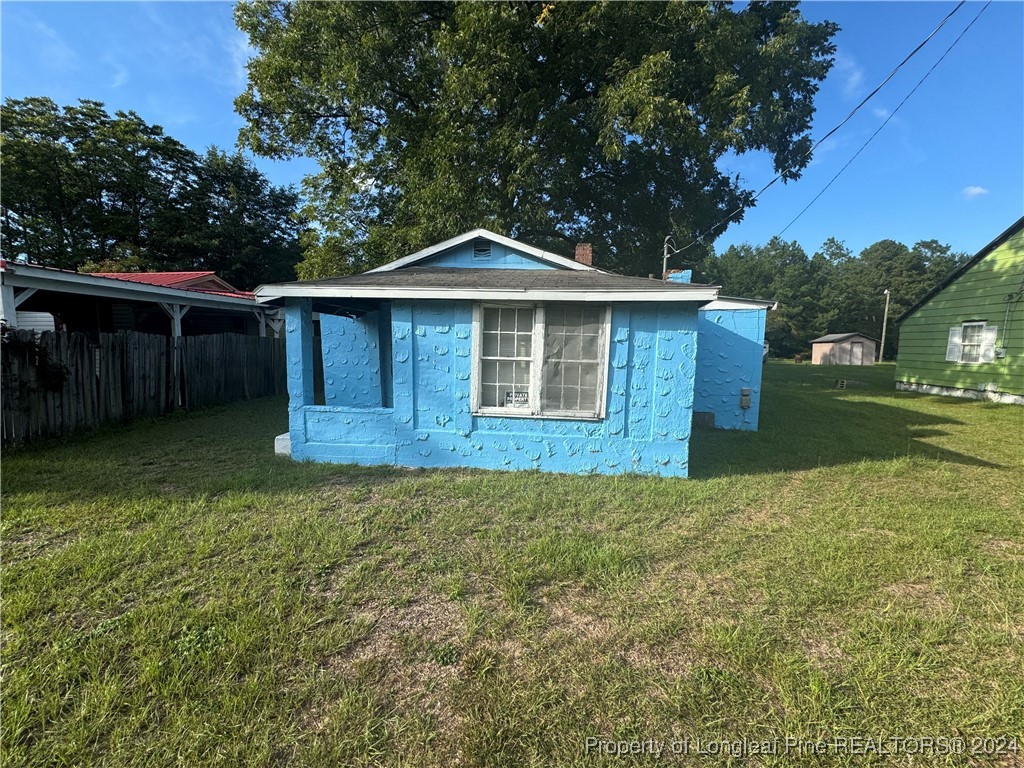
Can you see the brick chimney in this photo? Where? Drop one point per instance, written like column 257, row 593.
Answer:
column 585, row 254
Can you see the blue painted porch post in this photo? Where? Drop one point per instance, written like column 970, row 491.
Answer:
column 299, row 347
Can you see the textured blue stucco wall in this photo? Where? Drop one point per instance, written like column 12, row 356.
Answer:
column 652, row 366
column 729, row 351
column 352, row 362
column 500, row 258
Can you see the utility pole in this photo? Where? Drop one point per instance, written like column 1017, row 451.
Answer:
column 664, row 255
column 885, row 321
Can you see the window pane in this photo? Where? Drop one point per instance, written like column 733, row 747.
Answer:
column 524, row 344
column 489, row 372
column 524, row 320
column 505, row 373
column 508, row 319
column 507, row 345
column 592, row 319
column 491, row 318
column 489, row 396
column 490, row 346
column 572, row 364
column 521, row 376
column 972, row 334
column 588, row 399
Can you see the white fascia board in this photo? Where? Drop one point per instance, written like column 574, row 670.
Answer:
column 271, row 292
column 729, row 302
column 508, row 242
column 43, row 279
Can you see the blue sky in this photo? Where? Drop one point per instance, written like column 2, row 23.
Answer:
column 948, row 166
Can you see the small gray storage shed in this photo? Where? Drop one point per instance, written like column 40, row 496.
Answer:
column 844, row 349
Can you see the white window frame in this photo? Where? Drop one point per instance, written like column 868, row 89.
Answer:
column 986, row 346
column 535, row 411
column 980, row 324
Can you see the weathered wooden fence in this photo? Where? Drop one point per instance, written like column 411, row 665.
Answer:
column 56, row 383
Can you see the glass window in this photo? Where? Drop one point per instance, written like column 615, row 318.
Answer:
column 565, row 341
column 970, row 342
column 572, row 358
column 506, row 357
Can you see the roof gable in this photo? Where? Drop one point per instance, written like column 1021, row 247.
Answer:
column 1015, row 228
column 200, row 281
column 546, row 258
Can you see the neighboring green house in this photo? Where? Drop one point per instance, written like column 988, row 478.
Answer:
column 965, row 337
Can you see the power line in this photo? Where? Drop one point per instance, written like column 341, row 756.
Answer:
column 843, row 122
column 887, row 119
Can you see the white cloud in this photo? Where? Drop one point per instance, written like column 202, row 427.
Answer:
column 54, row 50
column 121, row 73
column 851, row 72
column 236, row 45
column 880, row 112
column 212, row 48
column 973, row 191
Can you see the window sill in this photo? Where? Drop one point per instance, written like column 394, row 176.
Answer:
column 546, row 416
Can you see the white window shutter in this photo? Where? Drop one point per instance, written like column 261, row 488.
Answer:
column 988, row 343
column 953, row 345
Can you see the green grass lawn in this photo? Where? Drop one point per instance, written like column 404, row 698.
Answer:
column 174, row 594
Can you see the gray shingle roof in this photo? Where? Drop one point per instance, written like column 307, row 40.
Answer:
column 516, row 279
column 840, row 337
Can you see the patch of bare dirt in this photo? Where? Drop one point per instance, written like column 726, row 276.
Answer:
column 569, row 613
column 33, row 543
column 1004, row 549
column 917, row 594
column 576, row 614
column 413, row 653
column 823, row 652
column 765, row 515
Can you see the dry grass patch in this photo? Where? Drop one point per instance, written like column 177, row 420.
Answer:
column 1004, row 549
column 917, row 595
column 413, row 652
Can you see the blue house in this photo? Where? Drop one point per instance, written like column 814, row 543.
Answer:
column 481, row 351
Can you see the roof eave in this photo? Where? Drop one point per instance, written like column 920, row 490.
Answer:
column 46, row 279
column 702, row 294
column 952, row 276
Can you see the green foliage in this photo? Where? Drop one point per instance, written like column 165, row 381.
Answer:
column 553, row 122
column 86, row 190
column 833, row 291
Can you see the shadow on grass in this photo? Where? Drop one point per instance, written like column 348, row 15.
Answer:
column 225, row 449
column 807, row 423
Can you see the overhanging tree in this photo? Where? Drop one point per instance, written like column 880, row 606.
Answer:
column 554, row 122
column 83, row 189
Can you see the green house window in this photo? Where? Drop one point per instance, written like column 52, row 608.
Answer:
column 972, row 343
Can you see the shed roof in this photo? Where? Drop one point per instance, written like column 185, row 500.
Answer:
column 156, row 278
column 1016, row 227
column 206, row 281
column 833, row 337
column 496, row 284
column 38, row 277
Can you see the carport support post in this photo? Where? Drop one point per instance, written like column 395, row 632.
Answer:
column 8, row 309
column 9, row 303
column 176, row 312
